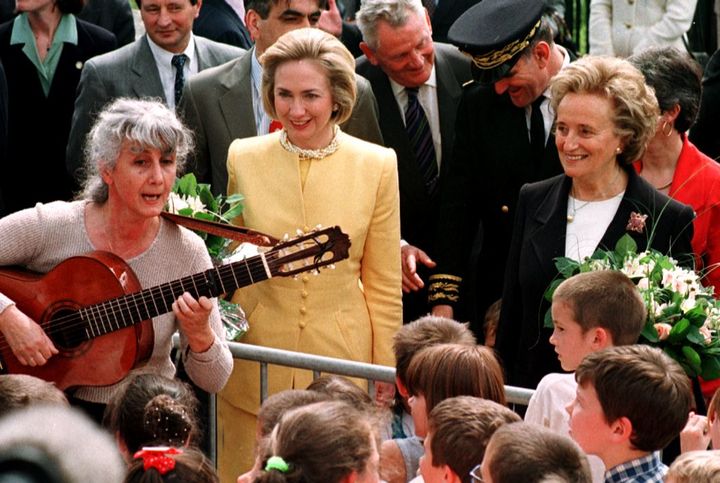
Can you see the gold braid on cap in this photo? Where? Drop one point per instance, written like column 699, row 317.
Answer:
column 495, row 58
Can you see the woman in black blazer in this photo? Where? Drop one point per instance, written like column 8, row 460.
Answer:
column 605, row 117
column 39, row 116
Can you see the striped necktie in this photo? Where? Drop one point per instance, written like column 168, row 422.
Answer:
column 420, row 136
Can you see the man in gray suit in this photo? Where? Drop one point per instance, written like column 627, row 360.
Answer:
column 401, row 60
column 224, row 103
column 144, row 68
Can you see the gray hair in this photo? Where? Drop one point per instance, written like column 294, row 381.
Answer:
column 63, row 438
column 394, row 12
column 147, row 123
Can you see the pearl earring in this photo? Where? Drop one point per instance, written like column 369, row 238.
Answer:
column 618, row 150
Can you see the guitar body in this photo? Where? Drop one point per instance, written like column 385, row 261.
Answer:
column 75, row 283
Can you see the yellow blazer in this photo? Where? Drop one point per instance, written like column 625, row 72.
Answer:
column 351, row 312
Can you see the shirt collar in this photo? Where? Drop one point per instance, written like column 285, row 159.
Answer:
column 648, row 468
column 256, row 71
column 399, row 89
column 66, row 31
column 165, row 57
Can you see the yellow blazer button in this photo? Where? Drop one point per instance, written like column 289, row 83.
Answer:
column 504, row 208
column 302, row 324
column 306, row 229
column 304, row 294
column 305, row 279
column 303, row 310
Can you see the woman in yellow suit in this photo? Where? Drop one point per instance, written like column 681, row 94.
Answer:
column 307, row 174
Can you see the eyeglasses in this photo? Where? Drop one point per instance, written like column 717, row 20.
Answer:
column 476, row 475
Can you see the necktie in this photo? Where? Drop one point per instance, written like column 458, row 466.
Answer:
column 421, row 140
column 537, row 130
column 178, row 61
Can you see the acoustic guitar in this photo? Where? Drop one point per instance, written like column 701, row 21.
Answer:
column 97, row 315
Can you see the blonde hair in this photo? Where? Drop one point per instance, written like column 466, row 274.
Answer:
column 695, row 467
column 635, row 108
column 328, row 52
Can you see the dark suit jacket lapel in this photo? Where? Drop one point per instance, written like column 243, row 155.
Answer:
column 636, row 199
column 550, row 226
column 448, row 94
column 236, row 103
column 146, row 78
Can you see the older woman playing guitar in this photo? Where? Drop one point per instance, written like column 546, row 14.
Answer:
column 134, row 153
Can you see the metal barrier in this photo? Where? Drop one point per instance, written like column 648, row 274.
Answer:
column 319, row 364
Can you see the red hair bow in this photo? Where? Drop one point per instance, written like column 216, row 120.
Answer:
column 157, row 457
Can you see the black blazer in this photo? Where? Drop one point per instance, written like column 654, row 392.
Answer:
column 418, row 210
column 539, row 237
column 113, row 15
column 219, row 22
column 446, row 12
column 38, row 126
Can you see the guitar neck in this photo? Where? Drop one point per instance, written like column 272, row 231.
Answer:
column 121, row 312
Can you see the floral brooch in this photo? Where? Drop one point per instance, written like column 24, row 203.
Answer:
column 636, row 222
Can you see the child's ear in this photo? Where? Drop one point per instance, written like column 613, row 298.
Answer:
column 622, row 430
column 401, row 388
column 601, row 339
column 450, row 476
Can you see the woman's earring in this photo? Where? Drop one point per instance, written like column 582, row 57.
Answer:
column 666, row 129
column 618, row 150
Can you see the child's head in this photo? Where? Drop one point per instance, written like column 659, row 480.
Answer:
column 322, row 442
column 629, row 399
column 458, row 431
column 339, row 388
column 20, row 390
column 714, row 419
column 162, row 463
column 124, row 416
column 695, row 467
column 532, row 454
column 425, row 332
column 492, row 318
column 594, row 310
column 449, row 370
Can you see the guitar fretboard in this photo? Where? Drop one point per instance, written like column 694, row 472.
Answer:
column 127, row 310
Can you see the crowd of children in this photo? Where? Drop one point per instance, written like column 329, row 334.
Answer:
column 607, row 420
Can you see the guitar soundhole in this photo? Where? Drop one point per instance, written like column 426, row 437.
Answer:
column 66, row 329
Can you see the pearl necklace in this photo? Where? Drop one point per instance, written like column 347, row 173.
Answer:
column 310, row 153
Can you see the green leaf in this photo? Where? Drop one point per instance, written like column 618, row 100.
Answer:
column 694, row 336
column 186, row 211
column 567, row 266
column 548, row 321
column 551, row 289
column 625, row 246
column 650, row 333
column 692, row 358
column 234, row 212
column 679, row 331
column 711, row 368
column 187, row 185
column 696, row 315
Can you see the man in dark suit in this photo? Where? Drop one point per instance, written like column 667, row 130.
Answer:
column 400, row 55
column 143, row 68
column 224, row 103
column 514, row 58
column 42, row 68
column 222, row 22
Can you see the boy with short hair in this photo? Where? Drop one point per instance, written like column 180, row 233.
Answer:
column 591, row 311
column 631, row 402
column 459, row 429
column 399, row 457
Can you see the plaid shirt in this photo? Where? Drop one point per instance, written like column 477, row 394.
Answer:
column 648, row 469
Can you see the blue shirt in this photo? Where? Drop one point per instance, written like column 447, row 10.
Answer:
column 648, row 469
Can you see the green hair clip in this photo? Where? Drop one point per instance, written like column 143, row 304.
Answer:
column 277, row 463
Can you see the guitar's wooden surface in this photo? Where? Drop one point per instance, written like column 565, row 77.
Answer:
column 77, row 282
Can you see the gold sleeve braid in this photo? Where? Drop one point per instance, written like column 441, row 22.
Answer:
column 444, row 289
